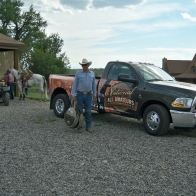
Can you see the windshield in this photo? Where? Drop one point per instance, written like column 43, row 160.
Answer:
column 153, row 73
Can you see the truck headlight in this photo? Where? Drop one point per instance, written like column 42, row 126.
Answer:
column 182, row 102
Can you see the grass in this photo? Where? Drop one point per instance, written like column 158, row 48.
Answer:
column 34, row 93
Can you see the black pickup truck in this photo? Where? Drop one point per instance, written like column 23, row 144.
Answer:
column 138, row 90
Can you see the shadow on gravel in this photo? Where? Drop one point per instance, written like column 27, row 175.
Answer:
column 125, row 122
column 182, row 132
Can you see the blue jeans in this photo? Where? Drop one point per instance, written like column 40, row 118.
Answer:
column 10, row 84
column 84, row 101
column 26, row 90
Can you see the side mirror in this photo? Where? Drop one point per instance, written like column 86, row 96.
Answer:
column 126, row 78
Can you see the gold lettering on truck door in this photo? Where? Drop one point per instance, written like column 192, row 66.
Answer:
column 120, row 97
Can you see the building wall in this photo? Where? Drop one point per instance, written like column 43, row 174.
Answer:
column 6, row 61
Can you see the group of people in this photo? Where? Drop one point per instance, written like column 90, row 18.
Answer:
column 9, row 81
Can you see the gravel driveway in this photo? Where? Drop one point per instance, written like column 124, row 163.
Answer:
column 39, row 156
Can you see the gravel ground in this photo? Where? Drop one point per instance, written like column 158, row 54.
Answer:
column 39, row 156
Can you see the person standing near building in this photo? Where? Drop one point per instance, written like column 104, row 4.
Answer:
column 10, row 83
column 84, row 90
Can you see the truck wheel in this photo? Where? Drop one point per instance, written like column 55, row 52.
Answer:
column 61, row 104
column 101, row 112
column 6, row 98
column 156, row 120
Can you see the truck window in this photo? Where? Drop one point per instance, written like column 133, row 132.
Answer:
column 151, row 73
column 116, row 69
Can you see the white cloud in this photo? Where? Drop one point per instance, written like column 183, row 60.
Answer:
column 53, row 22
column 187, row 16
column 191, row 50
column 148, row 55
column 119, row 32
column 48, row 6
column 99, row 4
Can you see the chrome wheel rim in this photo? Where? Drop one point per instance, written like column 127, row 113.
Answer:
column 59, row 106
column 153, row 120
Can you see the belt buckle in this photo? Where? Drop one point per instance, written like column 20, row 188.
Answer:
column 85, row 93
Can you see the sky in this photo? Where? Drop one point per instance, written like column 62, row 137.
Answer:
column 124, row 30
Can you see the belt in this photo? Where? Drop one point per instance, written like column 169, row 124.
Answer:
column 85, row 93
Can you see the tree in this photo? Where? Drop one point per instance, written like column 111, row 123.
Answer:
column 46, row 58
column 29, row 28
column 9, row 12
column 22, row 26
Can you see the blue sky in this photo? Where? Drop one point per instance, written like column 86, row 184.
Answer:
column 126, row 30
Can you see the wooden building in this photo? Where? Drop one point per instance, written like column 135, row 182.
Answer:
column 182, row 70
column 9, row 56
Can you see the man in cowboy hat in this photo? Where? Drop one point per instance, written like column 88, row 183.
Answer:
column 83, row 90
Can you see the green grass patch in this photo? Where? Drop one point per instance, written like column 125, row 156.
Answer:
column 34, row 93
column 51, row 120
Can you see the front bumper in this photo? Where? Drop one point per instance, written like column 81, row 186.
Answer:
column 183, row 119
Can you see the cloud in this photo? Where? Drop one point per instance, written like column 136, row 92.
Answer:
column 54, row 23
column 77, row 4
column 191, row 50
column 47, row 6
column 84, row 4
column 116, row 4
column 187, row 16
column 104, row 30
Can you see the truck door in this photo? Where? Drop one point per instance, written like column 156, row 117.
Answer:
column 116, row 96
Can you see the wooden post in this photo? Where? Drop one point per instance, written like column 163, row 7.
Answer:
column 16, row 61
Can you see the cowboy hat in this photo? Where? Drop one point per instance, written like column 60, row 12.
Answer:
column 85, row 61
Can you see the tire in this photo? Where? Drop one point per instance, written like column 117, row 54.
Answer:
column 101, row 112
column 156, row 120
column 6, row 98
column 61, row 104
